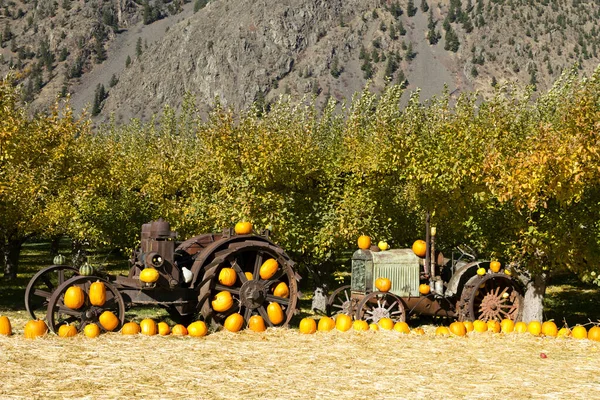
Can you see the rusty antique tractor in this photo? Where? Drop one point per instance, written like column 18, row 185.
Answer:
column 188, row 280
column 454, row 287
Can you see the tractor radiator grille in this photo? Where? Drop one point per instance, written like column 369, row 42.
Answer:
column 404, row 276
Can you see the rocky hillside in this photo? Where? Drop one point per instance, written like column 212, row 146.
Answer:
column 130, row 58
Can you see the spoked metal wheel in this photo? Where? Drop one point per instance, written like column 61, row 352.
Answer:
column 491, row 296
column 251, row 294
column 377, row 305
column 58, row 313
column 341, row 302
column 42, row 285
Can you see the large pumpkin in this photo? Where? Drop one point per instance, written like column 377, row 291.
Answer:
column 419, row 247
column 234, row 322
column 256, row 323
column 383, row 284
column 227, row 277
column 364, row 242
column 74, row 297
column 97, row 293
column 243, row 228
column 108, row 320
column 275, row 313
column 343, row 322
column 149, row 275
column 281, row 290
column 268, row 268
column 67, row 330
column 325, row 324
column 130, row 328
column 5, row 327
column 197, row 329
column 308, row 326
column 35, row 328
column 222, row 301
column 91, row 331
column 148, row 327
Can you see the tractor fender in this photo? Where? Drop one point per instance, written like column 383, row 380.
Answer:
column 462, row 276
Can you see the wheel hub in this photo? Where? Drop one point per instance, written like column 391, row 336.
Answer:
column 490, row 304
column 252, row 294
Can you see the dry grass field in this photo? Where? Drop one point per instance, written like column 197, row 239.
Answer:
column 285, row 364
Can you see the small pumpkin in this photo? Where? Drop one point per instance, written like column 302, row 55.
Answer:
column 197, row 329
column 108, row 320
column 373, row 326
column 67, row 330
column 386, row 323
column 383, row 246
column 594, row 333
column 383, row 284
column 179, row 330
column 521, row 327
column 579, row 332
column 418, row 331
column 86, row 269
column 5, row 327
column 534, row 327
column 130, row 328
column 222, row 301
column 256, row 323
column 401, row 327
column 458, row 328
column 564, row 332
column 507, row 326
column 227, row 277
column 493, row 326
column 495, row 266
column 307, row 326
column 91, row 331
column 59, row 260
column 275, row 313
column 364, row 242
column 74, row 297
column 468, row 326
column 281, row 290
column 419, row 247
column 249, row 275
column 268, row 268
column 325, row 324
column 97, row 293
column 149, row 275
column 424, row 289
column 360, row 325
column 234, row 322
column 481, row 271
column 549, row 328
column 243, row 228
column 35, row 328
column 480, row 326
column 148, row 327
column 442, row 331
column 343, row 322
column 163, row 329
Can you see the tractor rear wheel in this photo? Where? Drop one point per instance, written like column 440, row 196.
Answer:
column 491, row 296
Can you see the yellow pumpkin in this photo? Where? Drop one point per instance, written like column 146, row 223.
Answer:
column 564, row 332
column 480, row 326
column 108, row 320
column 373, row 326
column 256, row 323
column 418, row 331
column 383, row 246
column 383, row 284
column 534, row 327
column 91, row 331
column 281, row 290
column 163, row 329
column 275, row 313
column 507, row 326
column 360, row 325
column 5, row 327
column 419, row 247
column 468, row 326
column 458, row 328
column 579, row 332
column 243, row 228
column 222, row 301
column 594, row 333
column 343, row 322
column 325, row 324
column 481, row 271
column 234, row 322
column 249, row 275
column 268, row 268
column 442, row 331
column 148, row 327
column 197, row 329
column 35, row 328
column 307, row 326
column 386, row 323
column 74, row 297
column 495, row 266
column 521, row 327
column 424, row 289
column 97, row 294
column 130, row 328
column 493, row 326
column 227, row 277
column 67, row 330
column 149, row 275
column 549, row 328
column 401, row 327
column 364, row 242
column 179, row 330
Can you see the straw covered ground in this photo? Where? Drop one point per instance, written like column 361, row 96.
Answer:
column 284, row 364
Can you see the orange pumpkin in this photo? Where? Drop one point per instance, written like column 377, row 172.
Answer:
column 364, row 242
column 5, row 327
column 74, row 297
column 360, row 325
column 386, row 323
column 97, row 294
column 458, row 328
column 419, row 247
column 383, row 284
column 442, row 331
column 222, row 301
column 35, row 328
column 307, row 326
column 594, row 333
column 148, row 327
column 197, row 329
column 163, row 328
column 480, row 326
column 418, row 331
column 108, row 320
column 67, row 330
column 249, row 275
column 343, row 322
column 549, row 328
column 325, row 324
column 91, row 331
column 275, row 313
column 227, row 277
column 424, row 289
column 130, row 328
column 149, row 275
column 495, row 266
column 493, row 326
column 579, row 332
column 507, row 326
column 268, row 268
column 256, row 323
column 401, row 327
column 281, row 290
column 179, row 330
column 234, row 322
column 468, row 326
column 534, row 327
column 243, row 228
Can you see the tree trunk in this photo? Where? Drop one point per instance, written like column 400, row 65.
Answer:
column 55, row 245
column 12, row 252
column 533, row 307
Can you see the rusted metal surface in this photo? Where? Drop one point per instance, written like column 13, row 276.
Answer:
column 376, row 305
column 42, row 285
column 341, row 301
column 491, row 296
